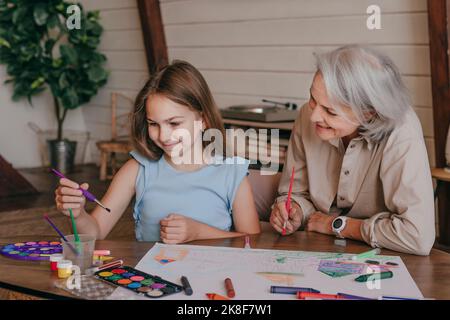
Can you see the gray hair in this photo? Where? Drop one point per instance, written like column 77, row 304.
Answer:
column 369, row 83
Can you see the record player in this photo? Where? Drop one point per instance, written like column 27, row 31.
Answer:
column 262, row 112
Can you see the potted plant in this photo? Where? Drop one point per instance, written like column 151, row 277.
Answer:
column 52, row 44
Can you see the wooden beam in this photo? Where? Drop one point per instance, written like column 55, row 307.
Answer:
column 438, row 15
column 11, row 182
column 153, row 33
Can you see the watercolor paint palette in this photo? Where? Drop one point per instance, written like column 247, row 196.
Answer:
column 138, row 281
column 32, row 250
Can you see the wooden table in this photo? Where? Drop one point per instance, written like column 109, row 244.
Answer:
column 431, row 273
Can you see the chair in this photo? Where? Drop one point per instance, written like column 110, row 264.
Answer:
column 119, row 143
column 264, row 189
column 441, row 175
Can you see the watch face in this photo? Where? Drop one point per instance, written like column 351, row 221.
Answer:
column 337, row 223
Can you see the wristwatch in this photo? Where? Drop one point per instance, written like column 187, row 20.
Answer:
column 338, row 225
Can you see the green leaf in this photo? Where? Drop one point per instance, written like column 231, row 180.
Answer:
column 61, row 8
column 70, row 99
column 63, row 82
column 37, row 83
column 52, row 22
column 97, row 74
column 49, row 45
column 19, row 14
column 4, row 43
column 69, row 54
column 56, row 63
column 40, row 14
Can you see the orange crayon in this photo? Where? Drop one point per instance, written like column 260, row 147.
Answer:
column 304, row 295
column 229, row 287
column 215, row 296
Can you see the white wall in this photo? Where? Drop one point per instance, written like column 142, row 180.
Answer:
column 18, row 143
column 123, row 45
column 246, row 49
column 249, row 50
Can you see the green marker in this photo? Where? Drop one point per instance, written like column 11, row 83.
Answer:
column 368, row 254
column 375, row 276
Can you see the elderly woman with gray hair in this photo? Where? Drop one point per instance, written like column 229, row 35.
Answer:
column 361, row 166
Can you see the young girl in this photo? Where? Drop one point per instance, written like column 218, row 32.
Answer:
column 176, row 201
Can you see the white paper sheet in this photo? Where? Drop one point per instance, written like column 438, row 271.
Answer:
column 253, row 271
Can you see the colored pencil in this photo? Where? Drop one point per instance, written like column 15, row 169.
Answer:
column 288, row 201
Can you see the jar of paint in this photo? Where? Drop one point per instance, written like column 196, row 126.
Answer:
column 64, row 268
column 54, row 259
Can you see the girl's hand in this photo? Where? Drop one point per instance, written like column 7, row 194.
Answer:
column 279, row 215
column 176, row 228
column 320, row 222
column 68, row 196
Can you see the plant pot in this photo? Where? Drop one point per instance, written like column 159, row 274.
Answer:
column 62, row 155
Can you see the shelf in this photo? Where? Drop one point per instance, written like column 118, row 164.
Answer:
column 256, row 124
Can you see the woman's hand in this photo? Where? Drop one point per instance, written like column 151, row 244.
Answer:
column 176, row 228
column 68, row 196
column 320, row 222
column 279, row 215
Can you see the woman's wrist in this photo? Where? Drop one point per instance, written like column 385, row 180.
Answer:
column 353, row 229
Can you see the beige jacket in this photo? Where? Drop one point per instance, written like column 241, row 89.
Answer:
column 387, row 184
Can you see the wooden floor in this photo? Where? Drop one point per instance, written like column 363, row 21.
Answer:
column 46, row 182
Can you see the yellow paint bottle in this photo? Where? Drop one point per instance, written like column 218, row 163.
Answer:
column 64, row 269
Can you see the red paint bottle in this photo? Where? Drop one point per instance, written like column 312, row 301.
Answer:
column 54, row 258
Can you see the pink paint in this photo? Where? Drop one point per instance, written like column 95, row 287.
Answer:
column 102, row 252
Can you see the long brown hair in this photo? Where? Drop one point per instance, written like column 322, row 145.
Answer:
column 182, row 83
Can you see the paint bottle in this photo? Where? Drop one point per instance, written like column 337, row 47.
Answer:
column 54, row 259
column 64, row 268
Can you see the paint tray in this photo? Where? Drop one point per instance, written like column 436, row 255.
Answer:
column 140, row 282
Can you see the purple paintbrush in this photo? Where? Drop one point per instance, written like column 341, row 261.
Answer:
column 86, row 193
column 60, row 233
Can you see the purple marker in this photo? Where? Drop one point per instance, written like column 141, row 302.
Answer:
column 86, row 193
